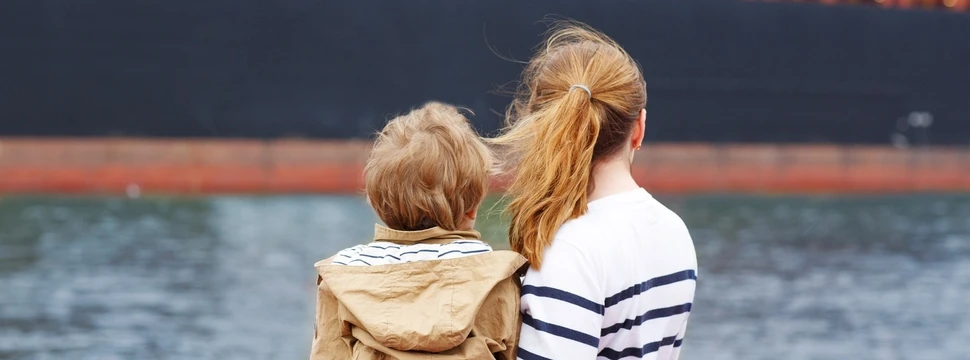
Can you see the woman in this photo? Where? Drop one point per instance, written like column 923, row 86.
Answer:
column 612, row 270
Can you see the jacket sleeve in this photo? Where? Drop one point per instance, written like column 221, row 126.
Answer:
column 328, row 343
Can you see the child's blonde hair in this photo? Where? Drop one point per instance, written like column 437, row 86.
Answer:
column 427, row 168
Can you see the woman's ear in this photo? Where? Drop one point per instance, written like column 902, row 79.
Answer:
column 639, row 129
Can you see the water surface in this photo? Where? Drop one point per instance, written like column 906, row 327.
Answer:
column 231, row 277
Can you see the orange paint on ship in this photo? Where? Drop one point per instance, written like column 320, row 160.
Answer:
column 183, row 166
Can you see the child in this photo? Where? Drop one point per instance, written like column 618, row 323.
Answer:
column 426, row 287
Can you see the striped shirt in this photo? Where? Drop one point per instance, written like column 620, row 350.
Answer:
column 386, row 253
column 617, row 283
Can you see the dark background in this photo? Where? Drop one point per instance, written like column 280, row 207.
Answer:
column 717, row 71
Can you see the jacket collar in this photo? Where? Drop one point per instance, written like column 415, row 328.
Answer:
column 435, row 235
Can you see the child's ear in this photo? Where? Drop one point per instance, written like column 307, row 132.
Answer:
column 472, row 214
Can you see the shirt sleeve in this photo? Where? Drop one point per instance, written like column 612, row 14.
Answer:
column 679, row 342
column 562, row 307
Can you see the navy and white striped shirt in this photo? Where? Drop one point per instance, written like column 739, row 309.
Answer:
column 617, row 283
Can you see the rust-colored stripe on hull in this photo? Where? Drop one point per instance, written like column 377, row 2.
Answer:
column 188, row 166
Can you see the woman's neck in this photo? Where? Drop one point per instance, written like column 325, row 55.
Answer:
column 611, row 177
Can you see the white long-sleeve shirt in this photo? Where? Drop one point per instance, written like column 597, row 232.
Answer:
column 617, row 283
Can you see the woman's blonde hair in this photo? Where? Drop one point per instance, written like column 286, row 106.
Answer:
column 557, row 131
column 427, row 168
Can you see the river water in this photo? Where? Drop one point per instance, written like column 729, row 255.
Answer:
column 781, row 277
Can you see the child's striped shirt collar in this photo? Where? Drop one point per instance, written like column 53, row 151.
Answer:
column 395, row 247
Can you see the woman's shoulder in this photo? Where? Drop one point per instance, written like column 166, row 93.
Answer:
column 604, row 225
column 576, row 230
column 600, row 231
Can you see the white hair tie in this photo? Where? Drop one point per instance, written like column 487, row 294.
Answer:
column 586, row 89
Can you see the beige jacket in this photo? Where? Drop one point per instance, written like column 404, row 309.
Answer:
column 462, row 308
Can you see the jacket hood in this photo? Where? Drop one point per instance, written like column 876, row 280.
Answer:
column 426, row 306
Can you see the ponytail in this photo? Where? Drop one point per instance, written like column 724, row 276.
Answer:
column 563, row 121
